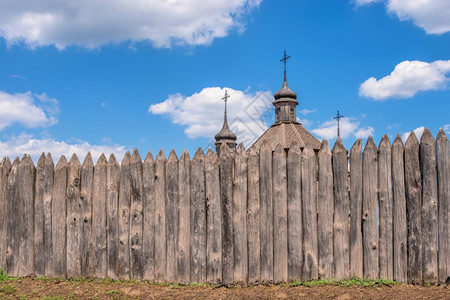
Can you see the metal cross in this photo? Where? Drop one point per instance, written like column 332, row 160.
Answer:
column 284, row 60
column 225, row 98
column 338, row 118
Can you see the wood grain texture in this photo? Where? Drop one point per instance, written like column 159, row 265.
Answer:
column 73, row 218
column 214, row 219
column 59, row 209
column 49, row 171
column 309, row 210
column 87, row 178
column 39, row 249
column 99, row 254
column 294, row 202
column 399, row 222
column 172, row 198
column 386, row 209
column 443, row 169
column 5, row 168
column 239, row 208
column 160, row 217
column 326, row 212
column 226, row 198
column 266, row 212
column 112, row 218
column 253, row 217
column 183, row 270
column 370, row 210
column 198, row 218
column 26, row 180
column 429, row 208
column 12, row 255
column 413, row 209
column 280, row 237
column 124, row 218
column 136, row 208
column 356, row 244
column 148, row 190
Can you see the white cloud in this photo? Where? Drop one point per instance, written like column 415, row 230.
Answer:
column 27, row 144
column 91, row 24
column 447, row 128
column 433, row 16
column 418, row 131
column 30, row 110
column 407, row 79
column 202, row 112
column 347, row 127
column 307, row 111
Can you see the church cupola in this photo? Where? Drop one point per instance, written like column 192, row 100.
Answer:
column 225, row 135
column 285, row 100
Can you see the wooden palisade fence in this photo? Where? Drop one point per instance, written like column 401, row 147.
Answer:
column 247, row 217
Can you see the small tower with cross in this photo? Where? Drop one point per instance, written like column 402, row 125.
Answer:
column 338, row 117
column 285, row 100
column 225, row 135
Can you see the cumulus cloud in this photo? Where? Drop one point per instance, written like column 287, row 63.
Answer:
column 447, row 128
column 27, row 144
column 418, row 131
column 28, row 109
column 407, row 79
column 92, row 24
column 433, row 16
column 202, row 113
column 347, row 127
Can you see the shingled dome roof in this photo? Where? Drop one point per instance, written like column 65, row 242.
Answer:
column 225, row 133
column 285, row 92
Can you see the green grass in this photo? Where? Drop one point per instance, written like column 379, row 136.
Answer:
column 113, row 292
column 7, row 289
column 4, row 277
column 353, row 282
column 53, row 298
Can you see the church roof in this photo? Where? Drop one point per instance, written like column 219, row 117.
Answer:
column 284, row 134
column 285, row 93
column 225, row 133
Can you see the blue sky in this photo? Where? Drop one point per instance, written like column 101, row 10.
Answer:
column 88, row 76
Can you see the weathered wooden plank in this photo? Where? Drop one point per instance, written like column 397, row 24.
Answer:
column 443, row 169
column 124, row 218
column 213, row 218
column 112, row 217
column 148, row 243
column 184, row 219
column 399, row 222
column 326, row 205
column 295, row 231
column 172, row 194
column 266, row 212
column 253, row 213
column 198, row 218
column 136, row 208
column 49, row 171
column 386, row 259
column 280, row 239
column 5, row 168
column 226, row 198
column 26, row 180
column 341, row 209
column 13, row 215
column 429, row 207
column 87, row 178
column 356, row 244
column 99, row 257
column 239, row 209
column 73, row 218
column 370, row 210
column 160, row 217
column 309, row 210
column 59, row 209
column 413, row 209
column 39, row 251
